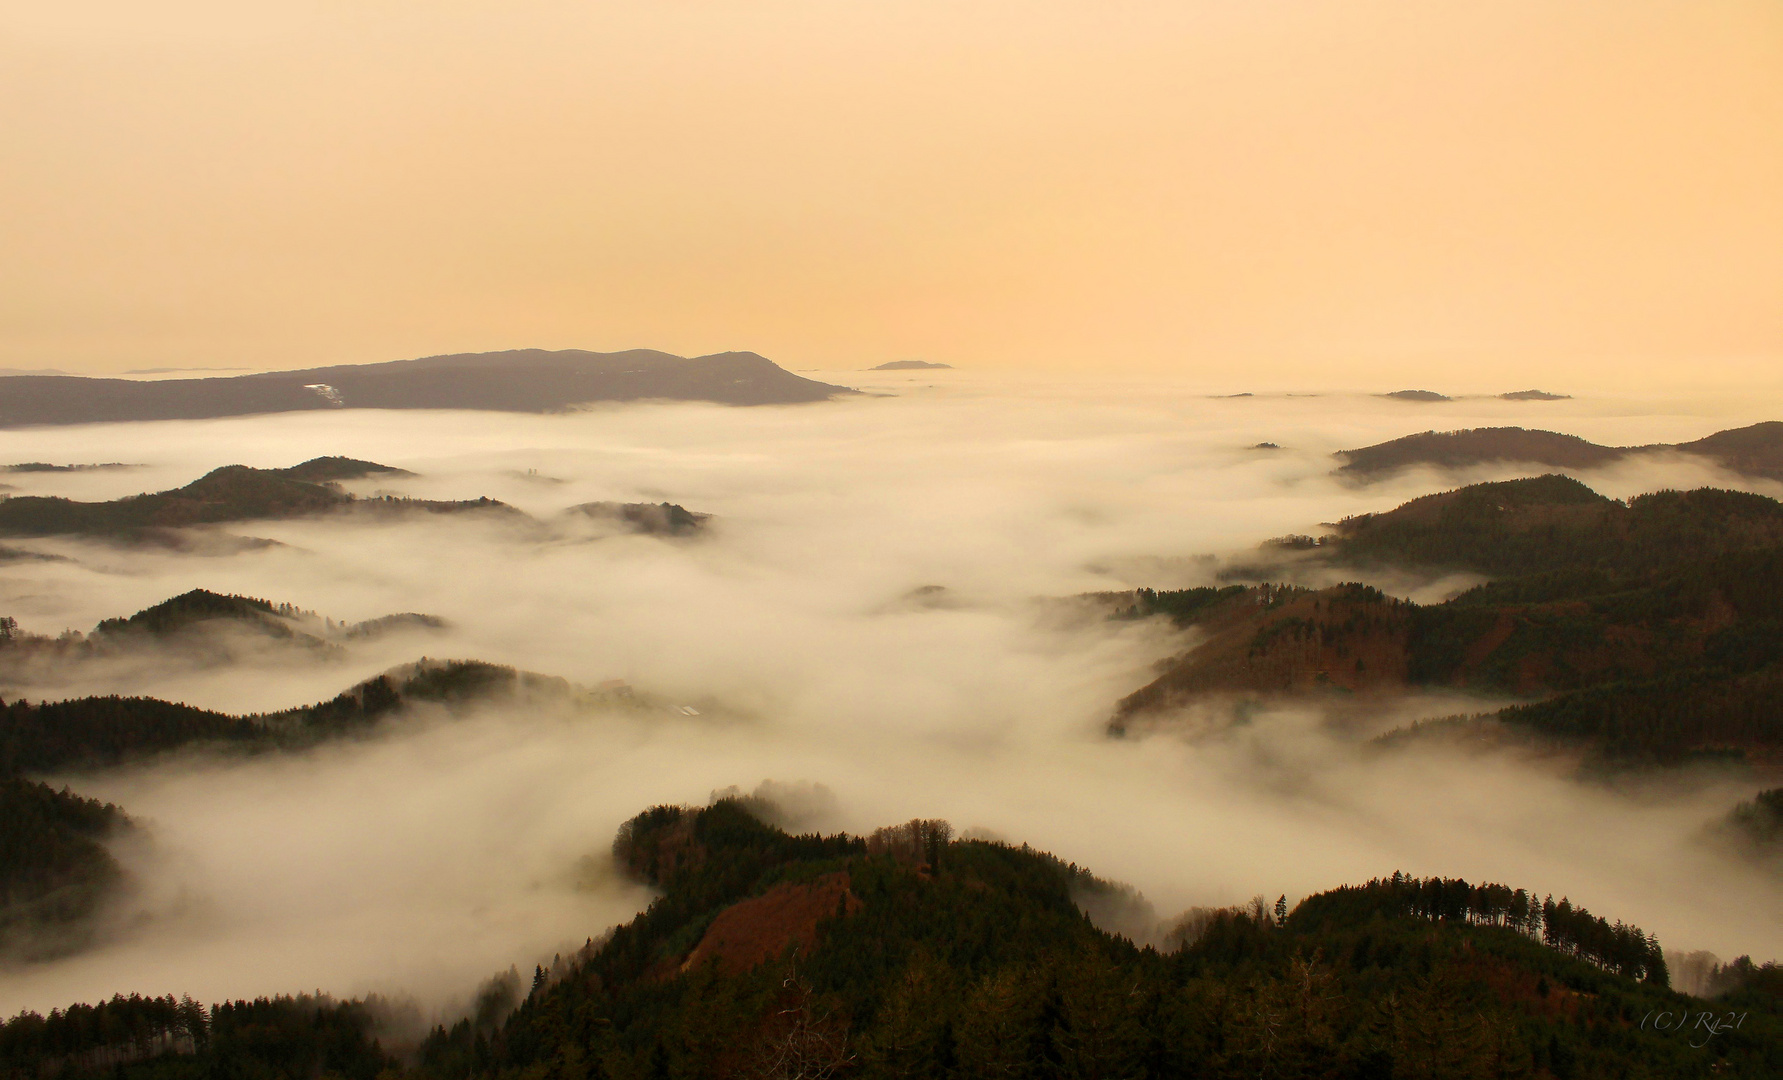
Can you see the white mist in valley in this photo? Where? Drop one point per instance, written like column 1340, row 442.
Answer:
column 807, row 636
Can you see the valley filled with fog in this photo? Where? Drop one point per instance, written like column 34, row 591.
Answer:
column 885, row 616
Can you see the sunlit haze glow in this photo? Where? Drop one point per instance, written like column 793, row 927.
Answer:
column 1288, row 192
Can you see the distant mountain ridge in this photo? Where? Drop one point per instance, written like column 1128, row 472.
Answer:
column 1756, row 450
column 517, row 380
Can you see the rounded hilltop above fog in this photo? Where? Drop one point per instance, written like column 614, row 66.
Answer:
column 909, row 365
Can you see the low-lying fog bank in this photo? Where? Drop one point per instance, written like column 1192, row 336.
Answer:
column 425, row 859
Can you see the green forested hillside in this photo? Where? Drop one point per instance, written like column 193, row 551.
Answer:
column 969, row 959
column 1648, row 632
column 926, row 956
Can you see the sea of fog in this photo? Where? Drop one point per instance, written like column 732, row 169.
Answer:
column 805, row 633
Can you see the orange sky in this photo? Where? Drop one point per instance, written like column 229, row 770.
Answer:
column 1344, row 193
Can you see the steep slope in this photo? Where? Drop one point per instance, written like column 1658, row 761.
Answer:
column 519, row 380
column 971, row 959
column 1646, row 632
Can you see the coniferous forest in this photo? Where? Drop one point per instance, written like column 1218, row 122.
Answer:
column 914, row 954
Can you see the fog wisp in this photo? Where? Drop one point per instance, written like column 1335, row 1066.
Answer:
column 881, row 605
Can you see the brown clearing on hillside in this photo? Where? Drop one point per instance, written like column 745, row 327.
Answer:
column 759, row 929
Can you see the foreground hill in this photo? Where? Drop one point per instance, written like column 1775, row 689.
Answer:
column 519, row 380
column 1752, row 451
column 1646, row 632
column 910, row 954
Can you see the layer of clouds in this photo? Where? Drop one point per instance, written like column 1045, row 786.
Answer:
column 442, row 850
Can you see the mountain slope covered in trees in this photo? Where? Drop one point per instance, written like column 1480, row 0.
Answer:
column 936, row 957
column 1648, row 631
column 228, row 494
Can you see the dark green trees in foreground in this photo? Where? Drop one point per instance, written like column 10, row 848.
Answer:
column 908, row 954
column 980, row 963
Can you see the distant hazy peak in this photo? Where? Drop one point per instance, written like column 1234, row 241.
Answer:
column 516, row 380
column 908, row 365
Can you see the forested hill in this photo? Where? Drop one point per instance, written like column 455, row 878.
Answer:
column 195, row 630
column 1647, row 632
column 1754, row 451
column 194, row 610
column 518, row 380
column 1554, row 524
column 909, row 953
column 102, row 732
column 236, row 493
column 228, row 494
